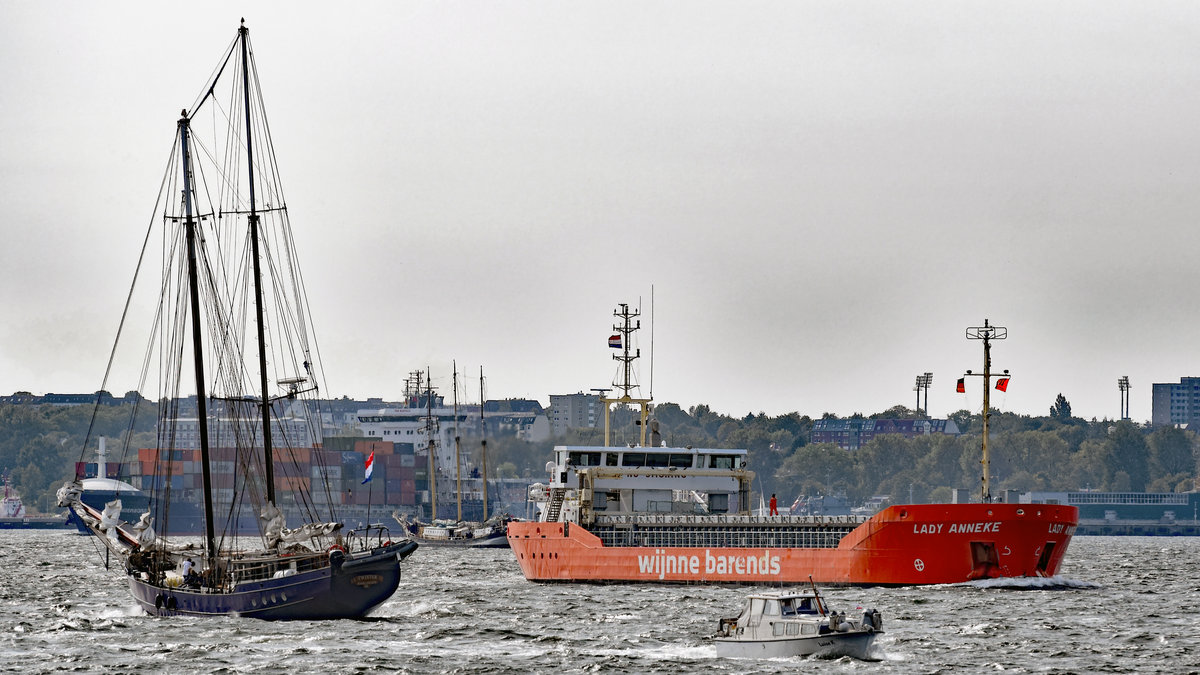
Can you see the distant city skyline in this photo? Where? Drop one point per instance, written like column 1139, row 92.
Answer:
column 823, row 196
column 468, row 402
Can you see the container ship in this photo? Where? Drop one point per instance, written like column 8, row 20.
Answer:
column 649, row 513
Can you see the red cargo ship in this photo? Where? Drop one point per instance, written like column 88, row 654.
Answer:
column 680, row 515
column 656, row 514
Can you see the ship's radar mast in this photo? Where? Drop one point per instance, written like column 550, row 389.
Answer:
column 987, row 333
column 625, row 383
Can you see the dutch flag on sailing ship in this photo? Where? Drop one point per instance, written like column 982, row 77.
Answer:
column 370, row 466
column 614, row 341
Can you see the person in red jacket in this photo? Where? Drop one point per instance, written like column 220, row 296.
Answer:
column 774, row 507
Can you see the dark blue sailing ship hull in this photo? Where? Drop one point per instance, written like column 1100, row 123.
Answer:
column 349, row 590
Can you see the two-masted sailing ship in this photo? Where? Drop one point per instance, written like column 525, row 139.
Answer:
column 231, row 352
column 472, row 527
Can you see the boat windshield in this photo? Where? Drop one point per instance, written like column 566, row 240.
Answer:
column 792, row 606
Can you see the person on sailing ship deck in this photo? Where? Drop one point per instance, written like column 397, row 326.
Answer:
column 190, row 578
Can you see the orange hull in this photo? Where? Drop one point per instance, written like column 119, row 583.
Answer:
column 901, row 545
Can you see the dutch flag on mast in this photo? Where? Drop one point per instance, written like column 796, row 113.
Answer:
column 370, row 466
column 614, row 341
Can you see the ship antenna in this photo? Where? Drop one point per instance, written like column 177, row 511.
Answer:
column 987, row 333
column 651, row 342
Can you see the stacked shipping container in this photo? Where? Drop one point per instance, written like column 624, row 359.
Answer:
column 395, row 479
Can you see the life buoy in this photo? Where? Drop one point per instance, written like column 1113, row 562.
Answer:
column 387, row 543
column 336, row 547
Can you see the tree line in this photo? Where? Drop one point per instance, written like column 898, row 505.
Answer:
column 1057, row 452
column 40, row 444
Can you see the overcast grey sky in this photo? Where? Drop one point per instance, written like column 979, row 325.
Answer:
column 823, row 195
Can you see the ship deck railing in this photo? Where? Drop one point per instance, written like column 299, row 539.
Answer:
column 724, row 519
column 687, row 531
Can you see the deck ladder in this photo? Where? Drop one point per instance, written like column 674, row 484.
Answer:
column 556, row 501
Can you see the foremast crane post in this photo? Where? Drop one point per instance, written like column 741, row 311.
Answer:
column 987, row 333
column 626, row 328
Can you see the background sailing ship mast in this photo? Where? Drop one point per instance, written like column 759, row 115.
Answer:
column 986, row 333
column 483, row 443
column 431, row 430
column 625, row 383
column 457, row 445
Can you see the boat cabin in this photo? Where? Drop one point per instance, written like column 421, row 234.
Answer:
column 778, row 605
column 628, row 480
column 651, row 458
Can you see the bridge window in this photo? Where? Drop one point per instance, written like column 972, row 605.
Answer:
column 723, row 461
column 584, row 459
column 682, row 461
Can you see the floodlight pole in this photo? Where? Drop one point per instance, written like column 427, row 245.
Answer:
column 1123, row 385
column 928, row 377
column 923, row 382
column 987, row 333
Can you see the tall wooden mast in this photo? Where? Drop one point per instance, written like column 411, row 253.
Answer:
column 210, row 538
column 457, row 447
column 265, row 412
column 431, row 445
column 483, row 433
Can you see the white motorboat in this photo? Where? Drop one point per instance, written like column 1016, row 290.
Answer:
column 783, row 624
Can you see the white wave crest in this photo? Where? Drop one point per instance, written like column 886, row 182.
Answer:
column 1054, row 583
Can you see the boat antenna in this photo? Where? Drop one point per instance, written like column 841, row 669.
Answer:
column 987, row 333
column 817, row 595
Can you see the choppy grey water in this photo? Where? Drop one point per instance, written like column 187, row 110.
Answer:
column 1121, row 605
